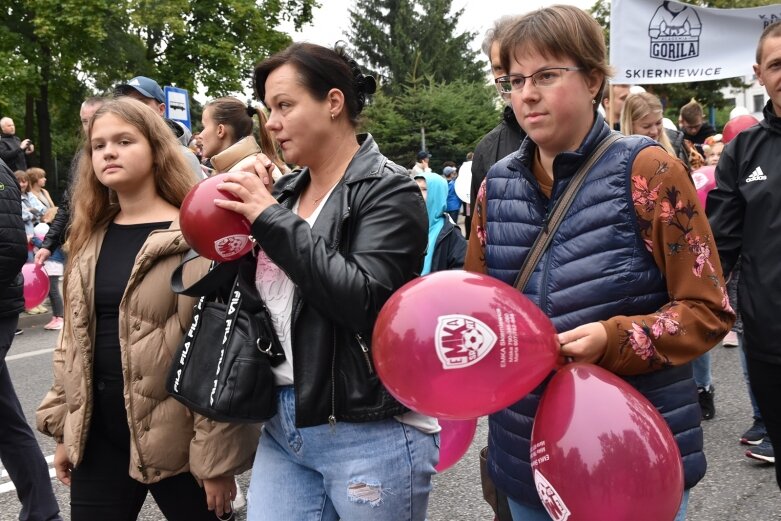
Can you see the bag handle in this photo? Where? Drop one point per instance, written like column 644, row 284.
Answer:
column 218, row 276
column 556, row 216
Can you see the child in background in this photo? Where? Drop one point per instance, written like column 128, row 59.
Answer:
column 54, row 266
column 453, row 202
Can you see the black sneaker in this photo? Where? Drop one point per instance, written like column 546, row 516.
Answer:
column 18, row 331
column 762, row 452
column 706, row 402
column 755, row 434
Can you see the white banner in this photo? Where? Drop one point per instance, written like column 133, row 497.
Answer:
column 657, row 41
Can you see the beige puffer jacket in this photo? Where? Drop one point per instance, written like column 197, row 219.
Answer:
column 166, row 438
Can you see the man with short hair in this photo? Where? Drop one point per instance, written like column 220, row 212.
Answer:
column 691, row 120
column 614, row 103
column 744, row 210
column 505, row 138
column 12, row 149
column 421, row 165
column 55, row 237
column 147, row 91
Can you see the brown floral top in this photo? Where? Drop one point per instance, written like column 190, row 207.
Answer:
column 677, row 234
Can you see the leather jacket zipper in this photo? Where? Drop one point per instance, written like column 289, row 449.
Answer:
column 365, row 350
column 332, row 417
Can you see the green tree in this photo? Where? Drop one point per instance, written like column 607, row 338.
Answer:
column 57, row 51
column 398, row 39
column 454, row 116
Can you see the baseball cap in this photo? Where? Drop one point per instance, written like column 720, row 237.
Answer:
column 448, row 170
column 147, row 87
column 423, row 155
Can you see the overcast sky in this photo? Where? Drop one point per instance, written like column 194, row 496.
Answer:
column 329, row 23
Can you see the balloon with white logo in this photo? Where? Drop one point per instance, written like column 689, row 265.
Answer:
column 459, row 345
column 601, row 450
column 704, row 181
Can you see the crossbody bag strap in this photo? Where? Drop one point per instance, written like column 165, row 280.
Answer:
column 559, row 211
column 218, row 276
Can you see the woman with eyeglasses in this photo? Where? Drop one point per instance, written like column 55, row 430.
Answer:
column 631, row 278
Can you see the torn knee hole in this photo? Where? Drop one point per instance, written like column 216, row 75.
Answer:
column 365, row 493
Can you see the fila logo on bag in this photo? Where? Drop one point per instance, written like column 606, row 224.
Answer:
column 230, row 245
column 462, row 341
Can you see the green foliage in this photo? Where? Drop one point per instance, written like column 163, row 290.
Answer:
column 455, row 117
column 57, row 52
column 403, row 39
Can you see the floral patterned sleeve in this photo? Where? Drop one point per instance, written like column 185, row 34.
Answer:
column 475, row 250
column 676, row 232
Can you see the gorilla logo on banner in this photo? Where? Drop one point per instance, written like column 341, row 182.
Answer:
column 675, row 32
column 462, row 341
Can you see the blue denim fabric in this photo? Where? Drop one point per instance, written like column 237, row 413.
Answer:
column 702, row 370
column 378, row 471
column 754, row 406
column 522, row 512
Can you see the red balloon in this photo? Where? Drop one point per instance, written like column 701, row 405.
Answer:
column 454, row 440
column 600, row 450
column 737, row 125
column 36, row 285
column 215, row 233
column 460, row 345
column 704, row 180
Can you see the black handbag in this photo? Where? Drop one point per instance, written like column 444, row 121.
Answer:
column 222, row 369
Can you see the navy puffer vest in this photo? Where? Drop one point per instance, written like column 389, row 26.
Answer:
column 596, row 267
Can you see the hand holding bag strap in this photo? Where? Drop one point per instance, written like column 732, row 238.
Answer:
column 559, row 211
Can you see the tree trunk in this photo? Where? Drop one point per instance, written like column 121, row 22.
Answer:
column 44, row 146
column 29, row 128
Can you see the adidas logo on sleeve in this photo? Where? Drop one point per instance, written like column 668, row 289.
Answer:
column 756, row 175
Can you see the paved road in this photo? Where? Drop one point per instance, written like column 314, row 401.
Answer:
column 735, row 488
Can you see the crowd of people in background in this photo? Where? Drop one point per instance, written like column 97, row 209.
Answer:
column 297, row 170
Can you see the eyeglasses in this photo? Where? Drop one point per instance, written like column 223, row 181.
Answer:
column 543, row 78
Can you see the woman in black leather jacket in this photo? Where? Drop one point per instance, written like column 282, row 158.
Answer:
column 336, row 239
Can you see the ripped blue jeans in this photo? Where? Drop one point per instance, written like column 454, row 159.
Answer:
column 373, row 471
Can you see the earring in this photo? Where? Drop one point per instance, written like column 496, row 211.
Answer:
column 332, row 116
column 593, row 102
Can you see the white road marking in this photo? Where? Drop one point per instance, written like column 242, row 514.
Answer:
column 29, row 354
column 8, row 486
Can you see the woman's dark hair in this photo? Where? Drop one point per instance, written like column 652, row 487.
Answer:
column 321, row 69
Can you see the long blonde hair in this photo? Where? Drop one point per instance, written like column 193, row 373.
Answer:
column 94, row 205
column 636, row 107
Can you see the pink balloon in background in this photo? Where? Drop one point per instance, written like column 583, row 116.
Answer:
column 458, row 345
column 215, row 233
column 454, row 440
column 737, row 125
column 704, row 180
column 600, row 450
column 36, row 285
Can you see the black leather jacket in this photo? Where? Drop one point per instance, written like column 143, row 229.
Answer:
column 13, row 244
column 369, row 240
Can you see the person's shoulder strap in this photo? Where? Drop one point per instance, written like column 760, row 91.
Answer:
column 559, row 211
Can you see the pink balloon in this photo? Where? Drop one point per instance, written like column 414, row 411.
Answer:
column 215, row 233
column 704, row 181
column 454, row 441
column 600, row 450
column 737, row 125
column 36, row 285
column 459, row 345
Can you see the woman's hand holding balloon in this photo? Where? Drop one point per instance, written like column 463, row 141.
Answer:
column 586, row 343
column 253, row 190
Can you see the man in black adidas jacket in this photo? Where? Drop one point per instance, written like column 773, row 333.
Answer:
column 745, row 214
column 19, row 450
